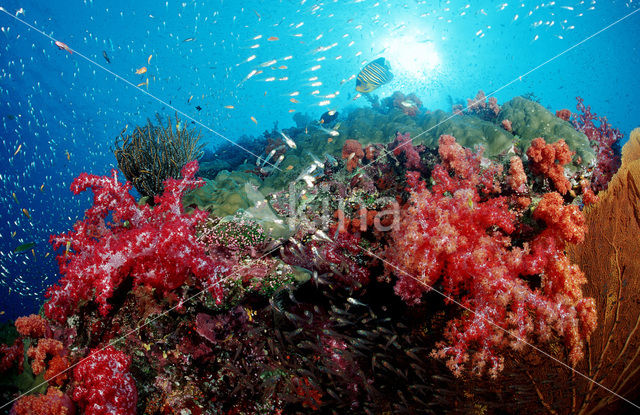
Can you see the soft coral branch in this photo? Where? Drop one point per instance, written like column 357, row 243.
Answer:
column 155, row 246
column 455, row 237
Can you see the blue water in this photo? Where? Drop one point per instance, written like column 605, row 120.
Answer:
column 64, row 110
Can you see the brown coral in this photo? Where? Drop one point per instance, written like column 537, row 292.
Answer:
column 352, row 151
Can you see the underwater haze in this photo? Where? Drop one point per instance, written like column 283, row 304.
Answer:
column 64, row 110
column 76, row 75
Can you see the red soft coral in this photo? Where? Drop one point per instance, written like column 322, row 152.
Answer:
column 104, row 384
column 456, row 238
column 155, row 246
column 12, row 355
column 549, row 160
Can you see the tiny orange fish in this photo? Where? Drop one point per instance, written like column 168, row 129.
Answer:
column 149, row 59
column 282, row 67
column 26, row 213
column 63, row 46
column 292, row 110
column 329, row 140
column 142, row 70
column 68, row 155
column 272, row 38
column 17, row 150
column 230, row 107
column 295, row 101
column 289, row 167
column 254, row 120
column 190, row 98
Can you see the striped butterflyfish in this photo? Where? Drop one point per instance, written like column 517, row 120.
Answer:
column 373, row 75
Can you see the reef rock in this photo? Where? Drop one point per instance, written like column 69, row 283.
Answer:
column 530, row 120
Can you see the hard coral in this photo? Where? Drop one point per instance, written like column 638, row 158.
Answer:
column 104, row 384
column 549, row 160
column 155, row 246
column 453, row 237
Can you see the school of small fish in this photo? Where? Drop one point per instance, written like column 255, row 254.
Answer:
column 242, row 67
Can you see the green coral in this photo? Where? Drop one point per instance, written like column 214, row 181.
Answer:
column 224, row 195
column 530, row 120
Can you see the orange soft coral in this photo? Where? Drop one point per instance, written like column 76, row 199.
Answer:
column 549, row 160
column 33, row 326
column 517, row 178
column 53, row 403
column 39, row 353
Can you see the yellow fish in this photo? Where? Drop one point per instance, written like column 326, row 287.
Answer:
column 17, row 150
column 254, row 120
column 149, row 59
column 289, row 167
column 15, row 197
column 142, row 70
column 26, row 213
column 42, row 188
column 68, row 155
column 373, row 75
column 230, row 107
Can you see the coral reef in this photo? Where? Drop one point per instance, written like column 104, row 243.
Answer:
column 403, row 261
column 530, row 120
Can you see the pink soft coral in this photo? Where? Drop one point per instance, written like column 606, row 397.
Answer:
column 456, row 238
column 411, row 154
column 603, row 138
column 155, row 246
column 104, row 384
